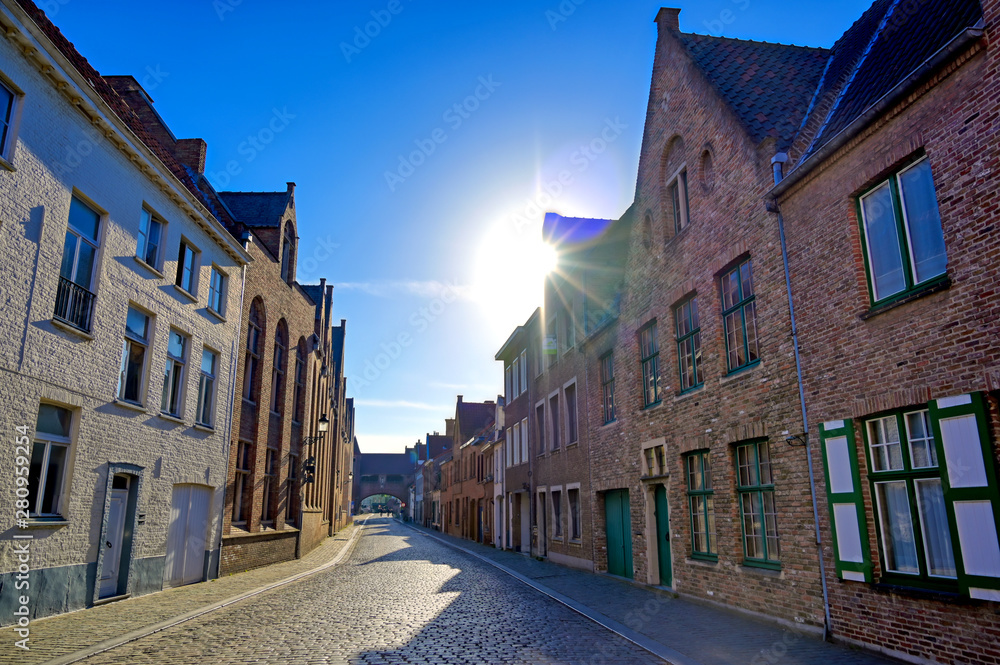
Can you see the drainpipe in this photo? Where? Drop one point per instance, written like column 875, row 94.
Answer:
column 246, row 239
column 777, row 163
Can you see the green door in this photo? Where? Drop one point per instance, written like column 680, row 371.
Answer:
column 663, row 535
column 619, row 527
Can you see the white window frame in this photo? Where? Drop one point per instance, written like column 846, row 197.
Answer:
column 207, row 383
column 524, row 371
column 558, row 533
column 10, row 124
column 576, row 412
column 172, row 365
column 191, row 288
column 129, row 340
column 683, row 201
column 146, row 220
column 524, row 440
column 49, row 440
column 543, row 423
column 217, row 282
column 574, row 487
column 554, row 421
column 515, row 373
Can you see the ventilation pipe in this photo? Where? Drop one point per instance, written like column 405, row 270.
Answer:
column 777, row 166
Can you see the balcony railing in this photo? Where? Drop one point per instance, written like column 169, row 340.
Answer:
column 74, row 304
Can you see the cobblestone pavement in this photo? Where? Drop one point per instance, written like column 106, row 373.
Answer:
column 399, row 598
column 702, row 634
column 64, row 634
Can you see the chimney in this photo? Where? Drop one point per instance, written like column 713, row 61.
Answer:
column 459, row 399
column 669, row 18
column 192, row 153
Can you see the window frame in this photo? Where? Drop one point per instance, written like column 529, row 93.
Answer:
column 572, row 413
column 704, row 497
column 146, row 220
column 176, row 364
column 554, row 413
column 692, row 335
column 48, row 440
column 207, row 382
column 129, row 339
column 217, row 282
column 269, row 487
column 575, row 533
column 739, row 307
column 760, row 489
column 904, row 245
column 678, row 203
column 10, row 122
column 242, row 488
column 649, row 357
column 555, row 500
column 95, row 242
column 607, row 365
column 191, row 288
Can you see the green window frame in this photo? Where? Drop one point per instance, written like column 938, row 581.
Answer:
column 935, row 496
column 901, row 233
column 689, row 345
column 649, row 353
column 608, row 386
column 739, row 317
column 701, row 505
column 846, row 502
column 758, row 510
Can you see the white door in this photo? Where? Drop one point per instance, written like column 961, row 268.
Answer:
column 113, row 543
column 187, row 535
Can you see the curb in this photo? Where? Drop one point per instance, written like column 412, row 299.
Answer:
column 114, row 642
column 660, row 651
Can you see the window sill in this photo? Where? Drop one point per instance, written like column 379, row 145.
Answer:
column 7, row 166
column 46, row 523
column 919, row 592
column 706, row 560
column 576, row 542
column 652, row 407
column 204, row 428
column 939, row 284
column 172, row 418
column 215, row 314
column 763, row 567
column 609, row 423
column 132, row 406
column 73, row 330
column 740, row 373
column 575, row 444
column 556, row 450
column 184, row 292
column 148, row 267
column 689, row 393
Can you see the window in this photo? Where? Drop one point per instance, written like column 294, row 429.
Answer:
column 554, row 421
column 150, row 236
column 187, row 267
column 517, row 443
column 287, row 250
column 270, row 480
column 649, row 351
column 914, row 529
column 540, row 425
column 300, row 383
column 569, row 330
column 292, row 491
column 524, row 440
column 700, row 499
column 739, row 314
column 131, row 376
column 572, row 426
column 515, row 376
column 655, row 459
column 217, row 291
column 574, row 513
column 49, row 459
column 206, row 388
column 509, row 446
column 278, row 369
column 173, row 374
column 904, row 241
column 677, row 199
column 9, row 98
column 608, row 386
column 524, row 371
column 74, row 298
column 251, row 368
column 757, row 508
column 242, row 490
column 689, row 344
column 508, row 384
column 557, row 530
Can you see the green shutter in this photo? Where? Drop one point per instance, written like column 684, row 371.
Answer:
column 846, row 501
column 969, row 479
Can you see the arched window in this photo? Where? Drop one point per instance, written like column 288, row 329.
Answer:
column 288, row 254
column 255, row 342
column 675, row 187
column 300, row 381
column 279, row 367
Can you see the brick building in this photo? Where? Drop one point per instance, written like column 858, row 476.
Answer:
column 117, row 354
column 888, row 199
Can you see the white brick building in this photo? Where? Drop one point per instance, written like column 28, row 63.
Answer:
column 116, row 360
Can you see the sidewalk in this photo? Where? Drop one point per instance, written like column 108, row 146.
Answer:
column 65, row 634
column 696, row 634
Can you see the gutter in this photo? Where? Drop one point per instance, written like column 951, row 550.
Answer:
column 942, row 55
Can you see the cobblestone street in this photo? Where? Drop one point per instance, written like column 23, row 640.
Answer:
column 400, row 598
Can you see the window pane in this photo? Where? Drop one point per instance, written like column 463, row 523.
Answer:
column 53, row 420
column 175, row 347
column 140, row 247
column 771, row 526
column 734, row 340
column 54, row 479
column 133, row 371
column 85, row 265
column 923, row 453
column 69, row 255
column 752, row 525
column 923, row 222
column 883, row 243
column 764, row 461
column 730, row 290
column 137, row 323
column 897, row 528
column 934, row 526
column 6, row 107
column 35, row 474
column 750, row 319
column 84, row 219
column 152, row 243
column 884, row 442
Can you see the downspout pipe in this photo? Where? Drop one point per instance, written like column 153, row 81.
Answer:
column 247, row 239
column 777, row 165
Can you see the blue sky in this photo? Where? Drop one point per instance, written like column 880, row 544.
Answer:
column 423, row 138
